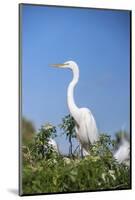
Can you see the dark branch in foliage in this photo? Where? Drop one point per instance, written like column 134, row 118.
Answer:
column 68, row 126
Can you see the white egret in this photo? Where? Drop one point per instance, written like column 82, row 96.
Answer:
column 86, row 129
column 53, row 144
column 122, row 153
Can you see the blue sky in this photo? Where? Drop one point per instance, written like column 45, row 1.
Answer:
column 99, row 41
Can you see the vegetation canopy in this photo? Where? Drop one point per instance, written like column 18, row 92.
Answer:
column 45, row 170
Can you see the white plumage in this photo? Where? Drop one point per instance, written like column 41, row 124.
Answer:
column 53, row 144
column 87, row 132
column 86, row 129
column 122, row 154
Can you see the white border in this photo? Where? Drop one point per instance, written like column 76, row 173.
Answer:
column 9, row 97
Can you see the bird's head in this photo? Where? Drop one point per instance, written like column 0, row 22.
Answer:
column 67, row 64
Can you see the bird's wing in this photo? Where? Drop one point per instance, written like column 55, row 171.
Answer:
column 88, row 129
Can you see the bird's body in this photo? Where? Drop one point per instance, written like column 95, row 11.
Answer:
column 86, row 129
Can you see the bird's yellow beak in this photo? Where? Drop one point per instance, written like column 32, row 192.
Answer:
column 57, row 65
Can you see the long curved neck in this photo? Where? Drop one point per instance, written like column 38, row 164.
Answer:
column 70, row 94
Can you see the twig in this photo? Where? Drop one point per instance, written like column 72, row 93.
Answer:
column 117, row 186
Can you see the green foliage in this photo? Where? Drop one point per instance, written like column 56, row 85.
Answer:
column 28, row 131
column 41, row 148
column 50, row 172
column 68, row 126
column 56, row 175
column 103, row 147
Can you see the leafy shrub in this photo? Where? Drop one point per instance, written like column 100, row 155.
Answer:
column 46, row 171
column 68, row 126
column 28, row 131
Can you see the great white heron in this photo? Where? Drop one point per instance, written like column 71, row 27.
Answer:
column 86, row 129
column 122, row 154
